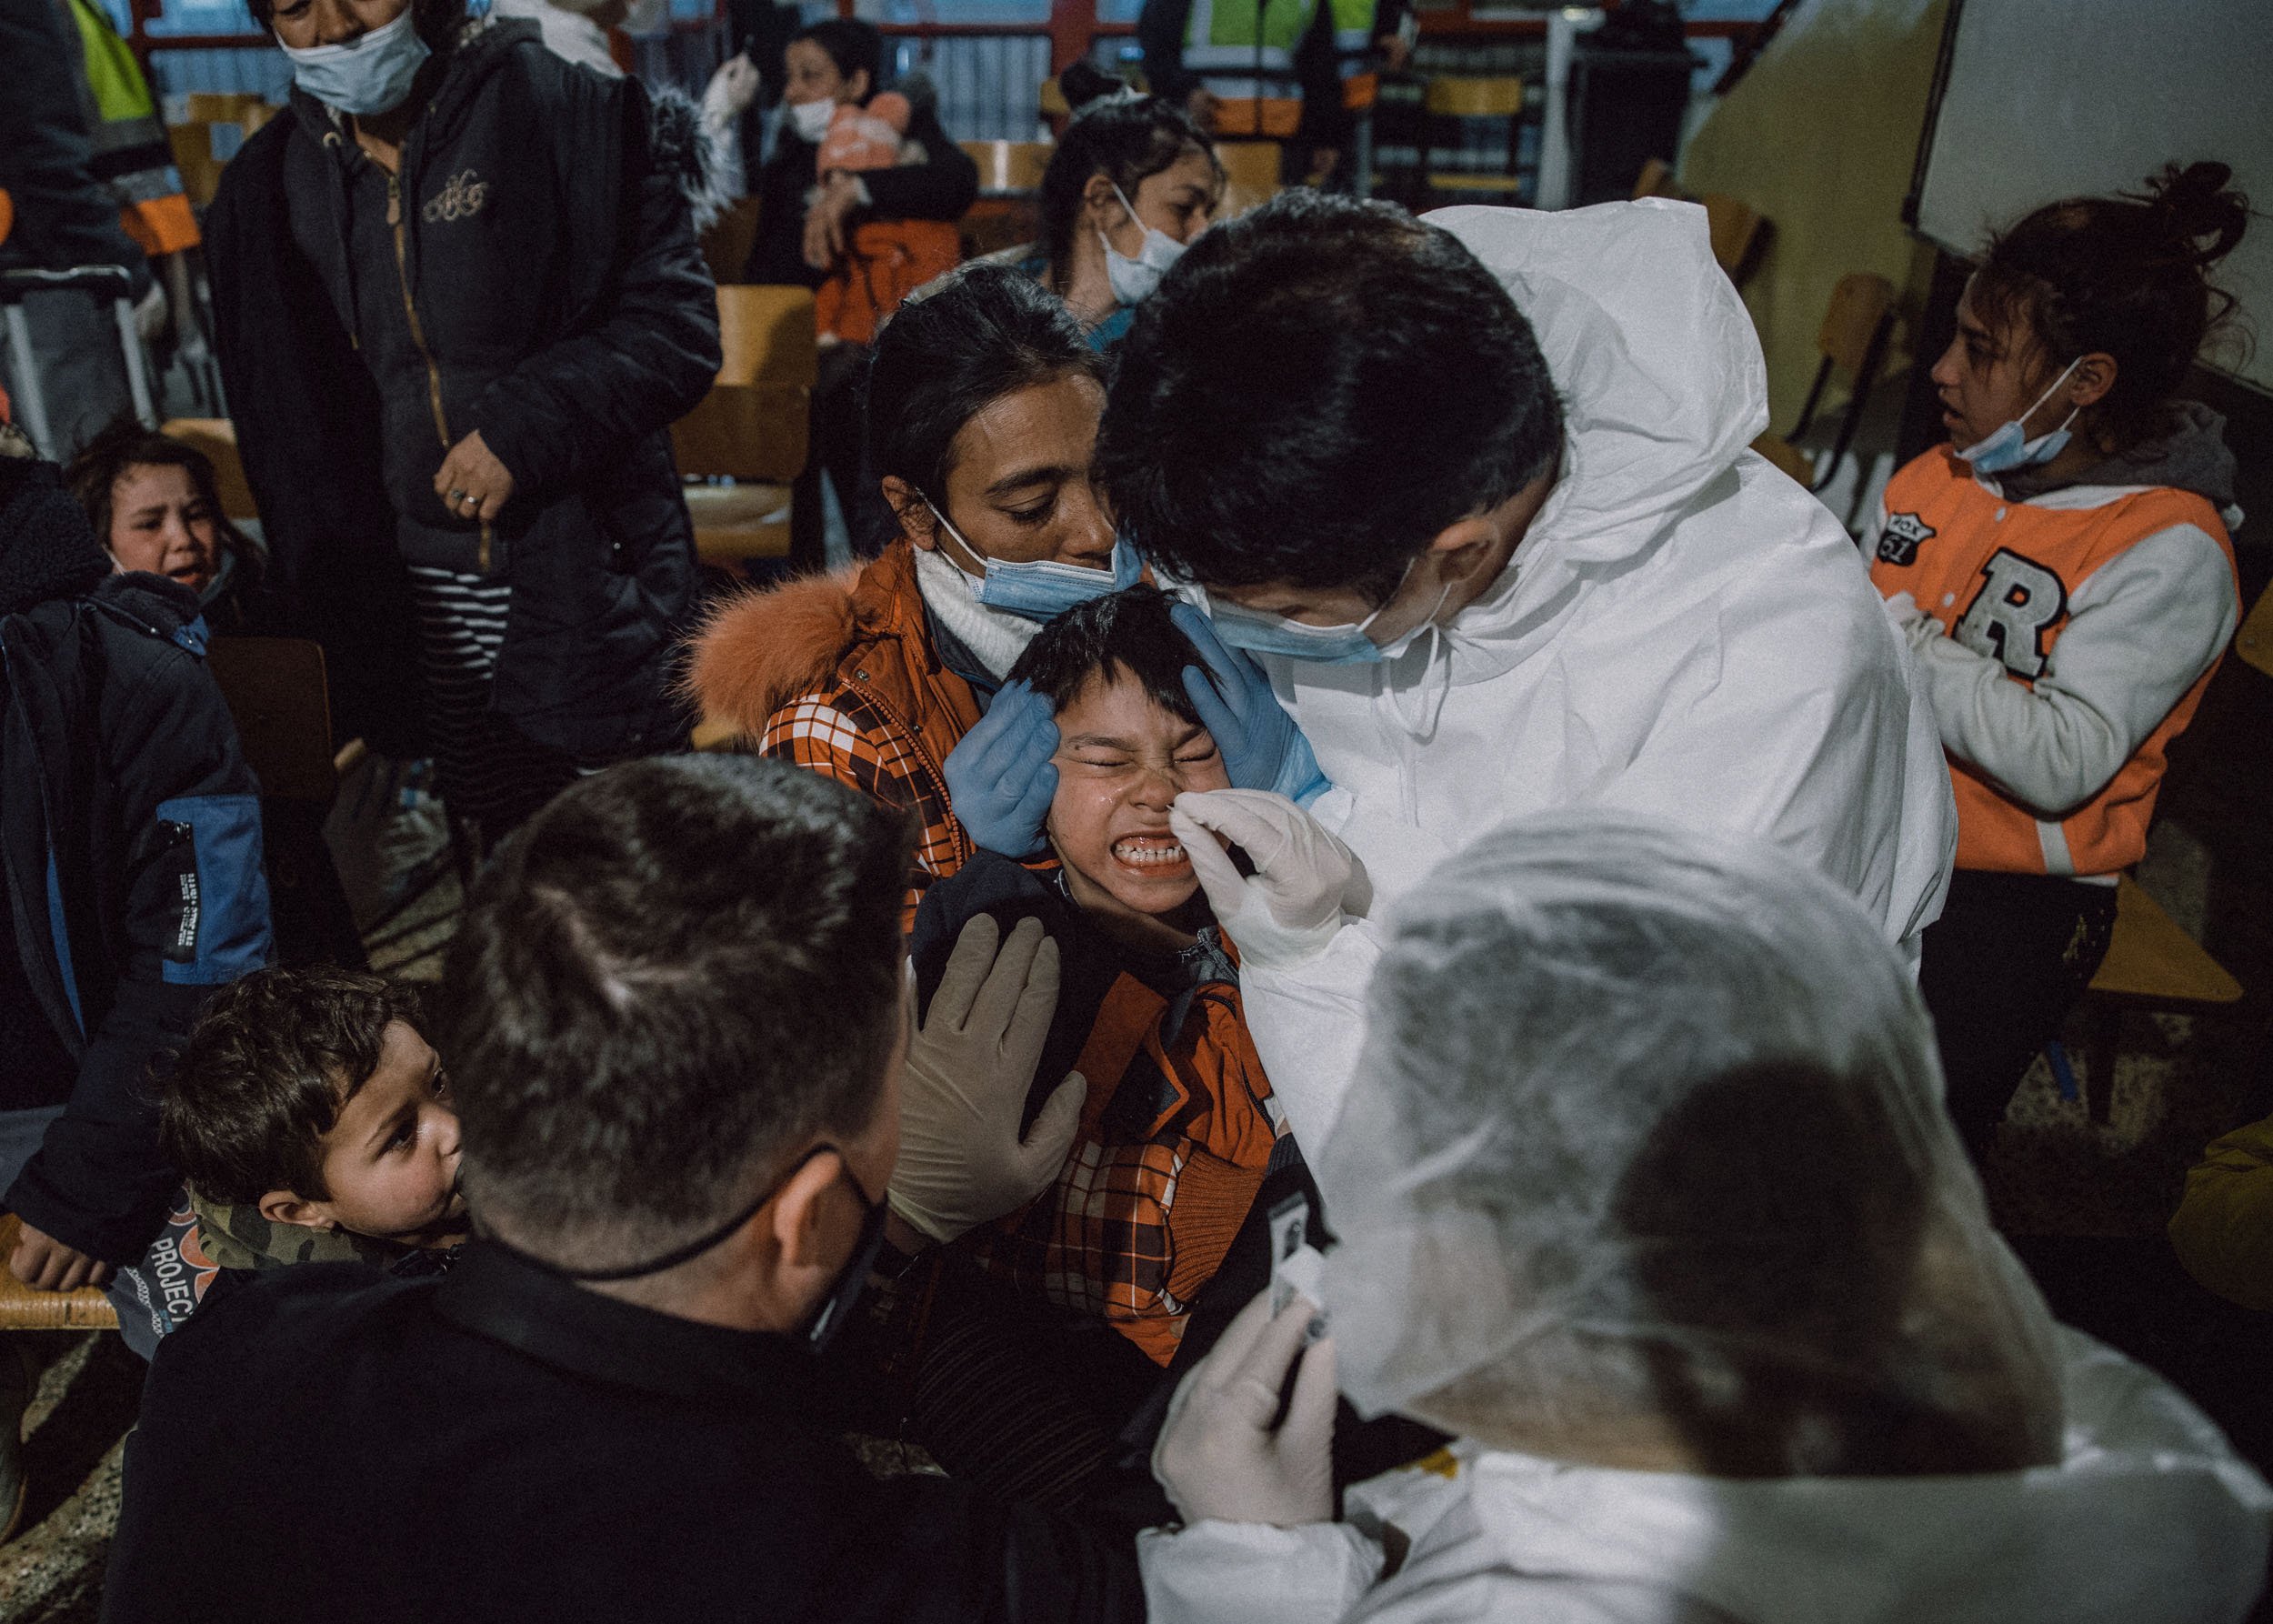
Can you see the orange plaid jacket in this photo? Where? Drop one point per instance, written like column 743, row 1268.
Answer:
column 838, row 673
column 1176, row 1132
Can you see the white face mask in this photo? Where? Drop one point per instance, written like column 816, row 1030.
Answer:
column 369, row 75
column 1134, row 280
column 810, row 119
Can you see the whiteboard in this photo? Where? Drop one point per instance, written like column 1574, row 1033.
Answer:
column 2044, row 99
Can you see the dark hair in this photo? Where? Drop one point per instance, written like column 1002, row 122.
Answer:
column 2124, row 275
column 941, row 360
column 1125, row 631
column 671, row 977
column 436, row 21
column 126, row 443
column 1124, row 139
column 851, row 44
column 264, row 1074
column 1318, row 388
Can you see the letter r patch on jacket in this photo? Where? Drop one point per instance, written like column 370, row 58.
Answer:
column 2019, row 602
column 1898, row 542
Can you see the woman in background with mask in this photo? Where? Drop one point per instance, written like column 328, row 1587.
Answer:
column 459, row 304
column 806, row 218
column 1132, row 182
column 2064, row 572
column 982, row 406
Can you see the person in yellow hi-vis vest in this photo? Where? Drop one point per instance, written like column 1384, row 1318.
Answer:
column 2064, row 572
column 1278, row 69
column 131, row 155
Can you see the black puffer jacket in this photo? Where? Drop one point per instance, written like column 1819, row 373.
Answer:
column 531, row 274
column 126, row 806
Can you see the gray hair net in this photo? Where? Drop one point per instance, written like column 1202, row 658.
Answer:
column 1646, row 1149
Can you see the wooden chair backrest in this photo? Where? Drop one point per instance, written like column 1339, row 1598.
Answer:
column 25, row 1309
column 231, row 106
column 1858, row 305
column 217, row 437
column 2152, row 960
column 276, row 693
column 1458, row 96
column 1009, row 167
column 727, row 244
column 1656, row 180
column 1250, row 175
column 1735, row 226
column 754, row 422
column 2254, row 641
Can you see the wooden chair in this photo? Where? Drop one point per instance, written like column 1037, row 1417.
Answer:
column 727, row 245
column 1656, row 180
column 1005, row 214
column 1461, row 96
column 217, row 437
column 1250, row 171
column 1853, row 337
column 1786, row 456
column 277, row 695
column 1009, row 168
column 2254, row 641
column 752, row 426
column 1736, row 228
column 2151, row 963
column 21, row 1308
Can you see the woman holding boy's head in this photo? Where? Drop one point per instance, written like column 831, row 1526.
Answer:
column 2064, row 572
column 153, row 505
column 983, row 407
column 1129, row 185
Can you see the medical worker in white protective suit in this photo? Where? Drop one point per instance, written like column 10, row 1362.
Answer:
column 1488, row 575
column 1649, row 1199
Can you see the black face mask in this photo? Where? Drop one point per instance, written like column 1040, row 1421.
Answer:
column 836, row 1303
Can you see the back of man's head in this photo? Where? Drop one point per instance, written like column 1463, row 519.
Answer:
column 674, row 977
column 1317, row 390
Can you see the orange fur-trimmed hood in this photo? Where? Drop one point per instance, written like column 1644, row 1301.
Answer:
column 758, row 650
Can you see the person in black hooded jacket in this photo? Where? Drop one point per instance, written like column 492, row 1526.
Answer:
column 457, row 324
column 130, row 865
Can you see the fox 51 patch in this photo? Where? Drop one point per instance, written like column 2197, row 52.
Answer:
column 1898, row 542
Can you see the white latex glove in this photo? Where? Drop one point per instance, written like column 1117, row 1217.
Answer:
column 1916, row 626
column 730, row 92
column 969, row 1066
column 1305, row 881
column 1217, row 1456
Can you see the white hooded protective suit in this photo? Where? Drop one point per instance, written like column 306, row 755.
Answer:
column 2149, row 1518
column 1683, row 630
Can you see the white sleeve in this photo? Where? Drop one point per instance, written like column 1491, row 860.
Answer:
column 1252, row 1573
column 2141, row 630
column 1308, row 1021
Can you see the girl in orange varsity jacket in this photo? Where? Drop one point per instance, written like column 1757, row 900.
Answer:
column 2064, row 572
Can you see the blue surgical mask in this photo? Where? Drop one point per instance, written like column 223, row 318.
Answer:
column 1259, row 632
column 1043, row 589
column 369, row 75
column 2006, row 448
column 1134, row 280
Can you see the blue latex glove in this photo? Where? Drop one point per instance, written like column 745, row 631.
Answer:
column 1000, row 779
column 1262, row 747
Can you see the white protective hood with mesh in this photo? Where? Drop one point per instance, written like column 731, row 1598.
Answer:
column 1646, row 1142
